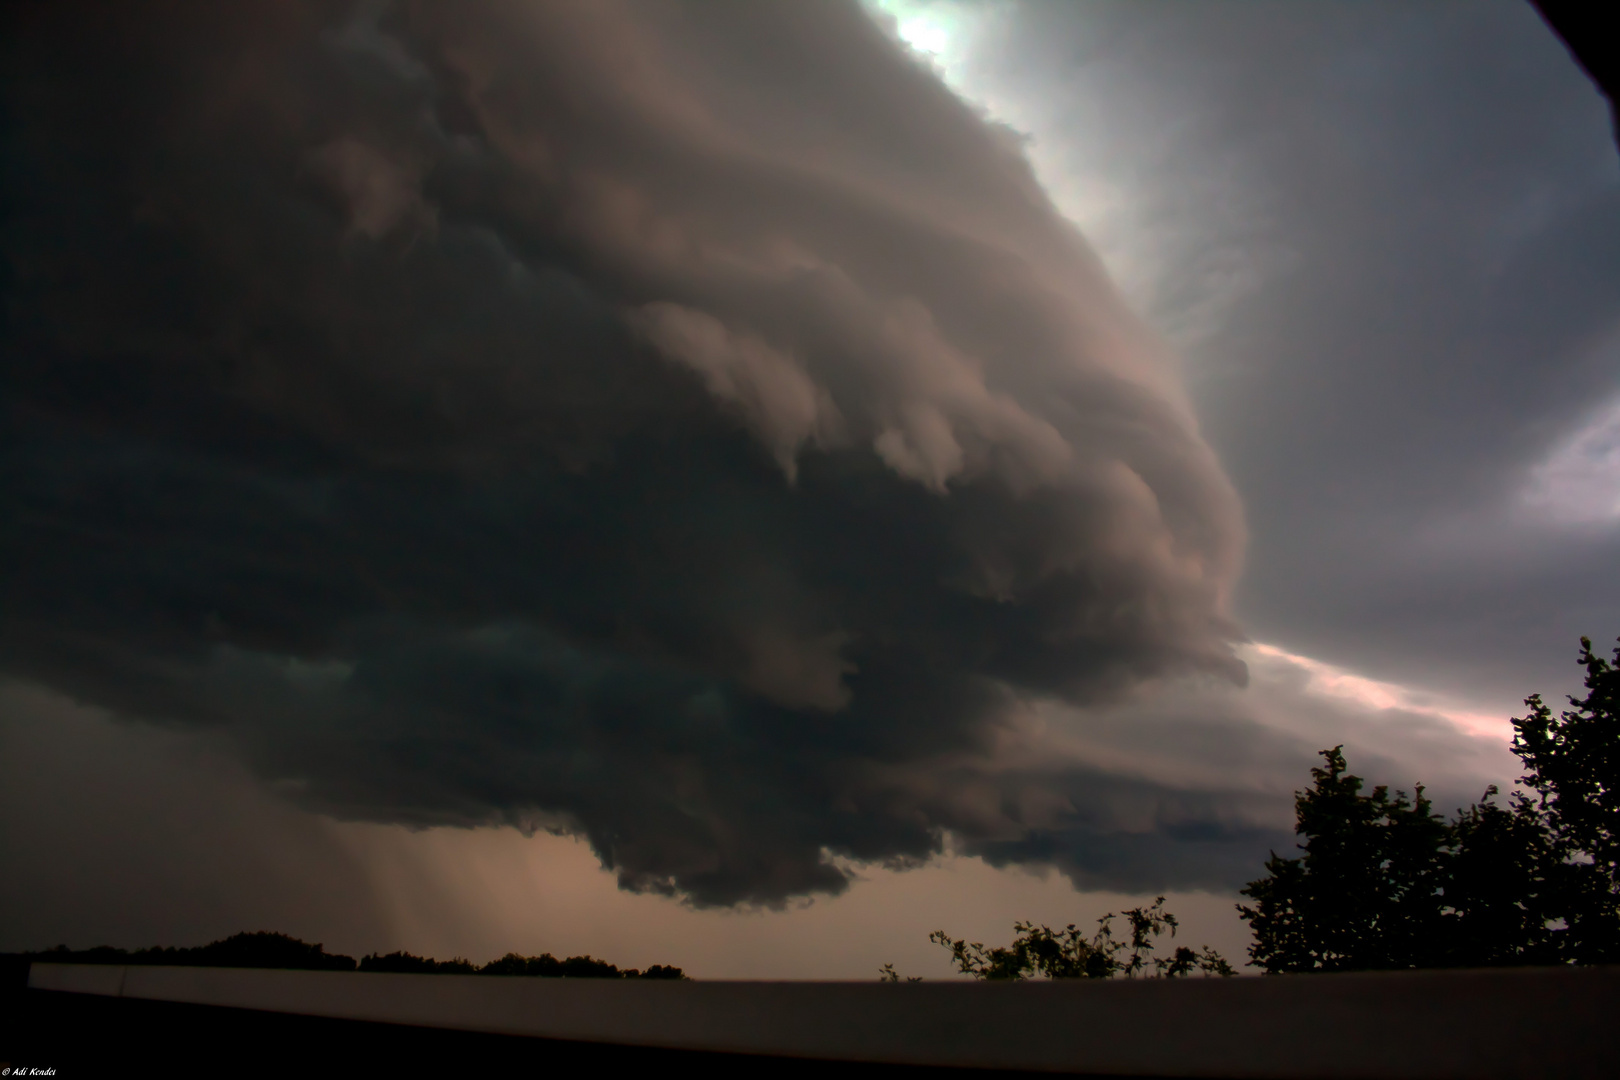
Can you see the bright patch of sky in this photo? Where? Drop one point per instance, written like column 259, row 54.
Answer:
column 947, row 34
column 1579, row 482
column 1182, row 254
column 939, row 29
column 1183, row 269
column 1329, row 681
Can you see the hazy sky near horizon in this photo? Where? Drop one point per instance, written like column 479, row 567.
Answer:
column 720, row 484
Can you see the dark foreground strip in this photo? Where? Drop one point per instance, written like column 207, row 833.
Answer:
column 87, row 1035
column 1419, row 1025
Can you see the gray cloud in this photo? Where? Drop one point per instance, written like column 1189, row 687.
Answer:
column 172, row 841
column 135, row 835
column 1388, row 236
column 689, row 426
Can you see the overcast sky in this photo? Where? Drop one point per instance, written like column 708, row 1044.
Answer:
column 737, row 485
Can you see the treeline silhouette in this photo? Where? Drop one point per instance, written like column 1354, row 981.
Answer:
column 250, row 950
column 1385, row 883
column 264, row 949
column 544, row 966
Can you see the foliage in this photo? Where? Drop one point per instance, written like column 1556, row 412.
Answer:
column 1361, row 896
column 267, row 950
column 544, row 966
column 1385, row 883
column 1572, row 764
column 549, row 967
column 249, row 950
column 408, row 964
column 1070, row 954
column 657, row 971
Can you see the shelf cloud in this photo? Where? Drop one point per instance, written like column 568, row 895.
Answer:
column 686, row 426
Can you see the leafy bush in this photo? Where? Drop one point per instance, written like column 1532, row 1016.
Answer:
column 1070, row 954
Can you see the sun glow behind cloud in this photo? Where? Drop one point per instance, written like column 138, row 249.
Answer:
column 939, row 31
column 1183, row 254
column 948, row 34
column 925, row 35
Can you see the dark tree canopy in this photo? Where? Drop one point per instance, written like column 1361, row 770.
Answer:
column 1572, row 763
column 410, row 964
column 575, row 967
column 1386, row 883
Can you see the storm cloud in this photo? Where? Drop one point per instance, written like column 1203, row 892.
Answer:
column 687, row 426
column 1386, row 239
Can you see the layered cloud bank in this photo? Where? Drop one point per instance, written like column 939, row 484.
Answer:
column 684, row 425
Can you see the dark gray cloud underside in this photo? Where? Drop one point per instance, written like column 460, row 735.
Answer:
column 676, row 450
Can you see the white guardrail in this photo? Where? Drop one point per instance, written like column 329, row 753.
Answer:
column 1495, row 1023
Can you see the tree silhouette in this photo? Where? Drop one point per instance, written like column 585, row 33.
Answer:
column 1070, row 954
column 548, row 966
column 1385, row 883
column 1361, row 897
column 1572, row 763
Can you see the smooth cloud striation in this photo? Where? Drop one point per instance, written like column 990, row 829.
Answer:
column 685, row 425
